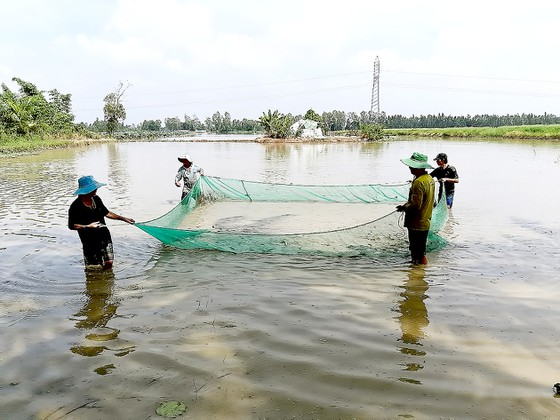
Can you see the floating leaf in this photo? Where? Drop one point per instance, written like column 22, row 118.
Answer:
column 104, row 370
column 171, row 409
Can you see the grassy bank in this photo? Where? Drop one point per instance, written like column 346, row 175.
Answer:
column 12, row 146
column 17, row 145
column 545, row 132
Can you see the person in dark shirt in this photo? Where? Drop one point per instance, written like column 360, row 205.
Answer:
column 447, row 176
column 87, row 215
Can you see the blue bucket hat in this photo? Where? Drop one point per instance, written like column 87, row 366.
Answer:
column 418, row 161
column 87, row 184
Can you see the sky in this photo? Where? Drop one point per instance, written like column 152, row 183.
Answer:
column 245, row 57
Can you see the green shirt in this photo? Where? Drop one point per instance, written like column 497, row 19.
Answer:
column 418, row 208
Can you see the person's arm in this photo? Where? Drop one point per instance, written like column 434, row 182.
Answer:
column 74, row 225
column 416, row 198
column 406, row 206
column 178, row 177
column 93, row 225
column 453, row 178
column 114, row 216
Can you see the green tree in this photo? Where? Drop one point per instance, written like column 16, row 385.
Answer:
column 114, row 109
column 29, row 112
column 59, row 113
column 275, row 124
column 172, row 124
column 227, row 126
column 352, row 121
column 192, row 123
column 151, row 125
column 334, row 121
column 313, row 116
column 98, row 125
column 219, row 124
column 371, row 131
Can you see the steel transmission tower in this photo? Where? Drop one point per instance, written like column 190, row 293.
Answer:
column 375, row 91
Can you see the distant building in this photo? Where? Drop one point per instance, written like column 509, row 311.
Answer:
column 306, row 128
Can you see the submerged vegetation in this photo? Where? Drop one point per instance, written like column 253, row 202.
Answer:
column 31, row 119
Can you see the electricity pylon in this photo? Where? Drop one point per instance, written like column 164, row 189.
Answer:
column 375, row 91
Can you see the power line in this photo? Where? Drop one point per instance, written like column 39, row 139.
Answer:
column 470, row 90
column 248, row 98
column 337, row 88
column 282, row 82
column 505, row 79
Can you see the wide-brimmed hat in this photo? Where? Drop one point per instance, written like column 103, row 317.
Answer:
column 418, row 161
column 87, row 184
column 185, row 156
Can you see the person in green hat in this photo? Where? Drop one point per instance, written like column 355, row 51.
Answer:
column 418, row 209
column 87, row 216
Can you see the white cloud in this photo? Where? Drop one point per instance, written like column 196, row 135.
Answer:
column 244, row 57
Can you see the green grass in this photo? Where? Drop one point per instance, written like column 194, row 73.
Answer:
column 15, row 145
column 545, row 132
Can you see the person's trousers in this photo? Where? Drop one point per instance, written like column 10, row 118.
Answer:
column 417, row 240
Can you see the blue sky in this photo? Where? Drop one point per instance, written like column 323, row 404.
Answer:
column 245, row 57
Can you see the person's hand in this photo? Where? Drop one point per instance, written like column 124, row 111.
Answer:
column 400, row 207
column 129, row 220
column 202, row 172
column 95, row 225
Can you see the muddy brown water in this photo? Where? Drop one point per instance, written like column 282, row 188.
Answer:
column 474, row 334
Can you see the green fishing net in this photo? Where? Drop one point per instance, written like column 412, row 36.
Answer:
column 245, row 216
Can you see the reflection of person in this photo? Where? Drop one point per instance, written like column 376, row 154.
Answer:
column 100, row 306
column 413, row 319
column 418, row 209
column 446, row 175
column 188, row 172
column 414, row 315
column 87, row 216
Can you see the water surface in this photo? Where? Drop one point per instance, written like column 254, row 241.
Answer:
column 474, row 334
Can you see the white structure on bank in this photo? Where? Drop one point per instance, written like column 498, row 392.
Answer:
column 306, row 128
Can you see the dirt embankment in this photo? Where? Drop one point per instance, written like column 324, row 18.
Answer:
column 326, row 139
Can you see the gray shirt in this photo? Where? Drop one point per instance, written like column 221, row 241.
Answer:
column 189, row 176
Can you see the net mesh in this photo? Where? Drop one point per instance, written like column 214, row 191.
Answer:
column 246, row 216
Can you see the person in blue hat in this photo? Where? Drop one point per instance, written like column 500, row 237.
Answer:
column 418, row 209
column 87, row 216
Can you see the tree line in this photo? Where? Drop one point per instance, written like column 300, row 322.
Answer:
column 32, row 111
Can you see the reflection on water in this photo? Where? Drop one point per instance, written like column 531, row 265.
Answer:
column 413, row 319
column 100, row 306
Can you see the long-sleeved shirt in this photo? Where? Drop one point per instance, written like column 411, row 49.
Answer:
column 418, row 208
